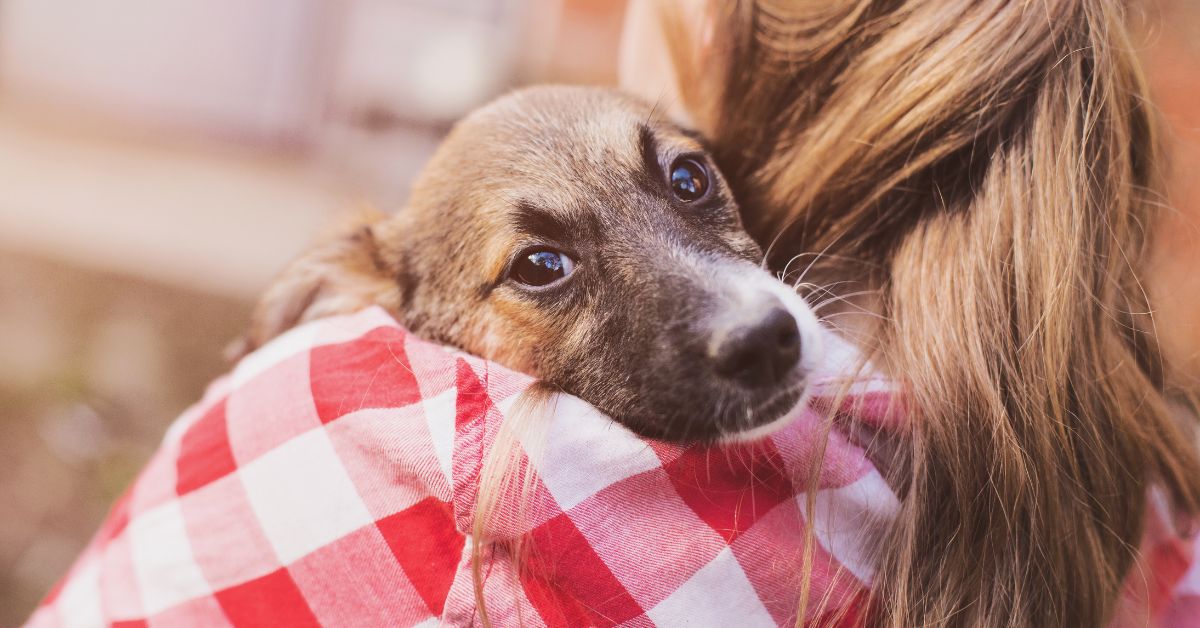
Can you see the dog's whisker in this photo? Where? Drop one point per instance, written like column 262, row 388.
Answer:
column 858, row 312
column 843, row 298
column 820, row 255
column 819, row 288
column 614, row 306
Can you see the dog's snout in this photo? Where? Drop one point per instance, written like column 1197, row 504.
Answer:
column 758, row 353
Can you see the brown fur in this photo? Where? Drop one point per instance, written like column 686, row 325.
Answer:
column 345, row 274
column 659, row 282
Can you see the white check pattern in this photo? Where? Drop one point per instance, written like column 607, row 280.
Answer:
column 331, row 480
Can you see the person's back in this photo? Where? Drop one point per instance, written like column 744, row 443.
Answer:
column 332, row 478
column 984, row 172
column 973, row 189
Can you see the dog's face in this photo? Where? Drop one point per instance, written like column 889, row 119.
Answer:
column 568, row 233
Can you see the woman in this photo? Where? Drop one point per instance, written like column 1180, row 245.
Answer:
column 965, row 186
column 984, row 177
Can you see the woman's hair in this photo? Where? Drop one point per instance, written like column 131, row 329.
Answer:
column 506, row 487
column 986, row 168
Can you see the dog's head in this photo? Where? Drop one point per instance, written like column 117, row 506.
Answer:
column 570, row 234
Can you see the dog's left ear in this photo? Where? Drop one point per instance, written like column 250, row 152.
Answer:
column 343, row 275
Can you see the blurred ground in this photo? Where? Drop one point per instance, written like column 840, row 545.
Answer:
column 94, row 365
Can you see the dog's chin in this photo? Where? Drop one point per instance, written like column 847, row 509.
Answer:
column 769, row 417
column 747, row 421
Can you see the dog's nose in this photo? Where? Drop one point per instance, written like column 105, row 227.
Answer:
column 760, row 353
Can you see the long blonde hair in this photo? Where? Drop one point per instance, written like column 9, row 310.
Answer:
column 986, row 169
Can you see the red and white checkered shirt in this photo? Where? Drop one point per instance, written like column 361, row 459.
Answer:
column 331, row 479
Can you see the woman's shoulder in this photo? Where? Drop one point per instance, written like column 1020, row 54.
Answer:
column 298, row 482
column 348, row 446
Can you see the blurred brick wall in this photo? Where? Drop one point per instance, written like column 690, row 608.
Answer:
column 1170, row 42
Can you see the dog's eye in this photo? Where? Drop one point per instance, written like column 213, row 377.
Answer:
column 689, row 179
column 541, row 267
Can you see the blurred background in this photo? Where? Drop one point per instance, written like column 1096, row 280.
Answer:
column 160, row 160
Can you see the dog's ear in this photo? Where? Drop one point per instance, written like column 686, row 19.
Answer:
column 342, row 275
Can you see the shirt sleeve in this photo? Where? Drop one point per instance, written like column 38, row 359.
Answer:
column 313, row 485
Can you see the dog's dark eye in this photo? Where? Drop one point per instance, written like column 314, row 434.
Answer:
column 689, row 179
column 541, row 267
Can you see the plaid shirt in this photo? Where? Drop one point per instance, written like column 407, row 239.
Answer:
column 331, row 479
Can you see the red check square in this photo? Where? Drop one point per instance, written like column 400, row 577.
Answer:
column 573, row 581
column 369, row 372
column 730, row 488
column 242, row 603
column 204, row 452
column 431, row 563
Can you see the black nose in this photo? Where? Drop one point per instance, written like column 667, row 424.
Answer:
column 761, row 353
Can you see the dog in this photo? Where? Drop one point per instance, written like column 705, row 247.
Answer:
column 568, row 233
